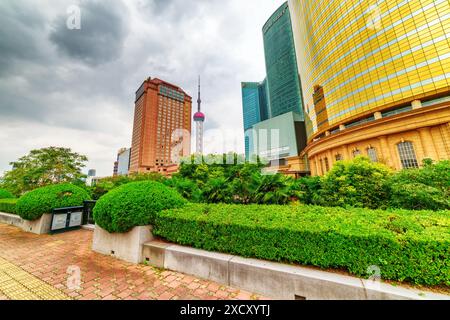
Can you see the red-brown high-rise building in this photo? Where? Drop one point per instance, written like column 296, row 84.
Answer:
column 162, row 127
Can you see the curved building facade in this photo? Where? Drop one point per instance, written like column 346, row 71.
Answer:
column 375, row 79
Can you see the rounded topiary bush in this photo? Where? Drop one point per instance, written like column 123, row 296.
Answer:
column 134, row 204
column 5, row 194
column 34, row 204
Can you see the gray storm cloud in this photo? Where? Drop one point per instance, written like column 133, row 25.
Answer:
column 102, row 34
column 18, row 26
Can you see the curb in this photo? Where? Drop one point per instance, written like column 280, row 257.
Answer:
column 275, row 280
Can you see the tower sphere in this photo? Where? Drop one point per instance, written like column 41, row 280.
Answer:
column 199, row 116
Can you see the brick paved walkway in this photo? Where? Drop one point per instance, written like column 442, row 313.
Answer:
column 51, row 264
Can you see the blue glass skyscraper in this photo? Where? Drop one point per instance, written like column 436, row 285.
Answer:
column 254, row 102
column 255, row 107
column 280, row 93
column 284, row 90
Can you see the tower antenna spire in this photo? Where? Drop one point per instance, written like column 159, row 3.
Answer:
column 199, row 119
column 199, row 100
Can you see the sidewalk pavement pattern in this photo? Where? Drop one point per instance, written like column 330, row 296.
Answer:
column 63, row 266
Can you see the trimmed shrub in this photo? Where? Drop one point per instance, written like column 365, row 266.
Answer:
column 5, row 194
column 406, row 245
column 359, row 183
column 134, row 204
column 34, row 204
column 418, row 196
column 8, row 205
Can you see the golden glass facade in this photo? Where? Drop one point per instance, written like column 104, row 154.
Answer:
column 369, row 56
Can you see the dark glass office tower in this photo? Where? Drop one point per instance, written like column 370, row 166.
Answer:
column 284, row 90
column 276, row 102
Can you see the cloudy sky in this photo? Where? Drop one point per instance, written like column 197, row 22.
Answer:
column 75, row 88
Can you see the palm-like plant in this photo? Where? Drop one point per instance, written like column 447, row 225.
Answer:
column 186, row 187
column 243, row 183
column 273, row 189
column 215, row 190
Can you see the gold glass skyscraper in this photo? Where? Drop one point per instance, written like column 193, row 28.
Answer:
column 362, row 63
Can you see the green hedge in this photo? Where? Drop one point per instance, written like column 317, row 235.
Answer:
column 5, row 194
column 8, row 205
column 134, row 204
column 406, row 245
column 34, row 204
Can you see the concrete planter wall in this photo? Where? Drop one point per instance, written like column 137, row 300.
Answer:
column 39, row 226
column 124, row 246
column 275, row 280
column 11, row 219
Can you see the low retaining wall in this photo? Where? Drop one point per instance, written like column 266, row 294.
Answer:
column 276, row 280
column 39, row 226
column 124, row 246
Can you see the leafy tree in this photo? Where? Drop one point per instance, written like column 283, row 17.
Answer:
column 424, row 188
column 357, row 183
column 105, row 185
column 417, row 196
column 436, row 175
column 231, row 180
column 44, row 167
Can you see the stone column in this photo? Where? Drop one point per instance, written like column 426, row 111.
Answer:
column 429, row 148
column 386, row 151
column 345, row 153
column 419, row 147
column 321, row 166
column 395, row 159
column 316, row 165
column 445, row 137
column 330, row 159
column 312, row 167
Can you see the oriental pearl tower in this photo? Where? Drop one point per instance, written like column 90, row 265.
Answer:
column 199, row 119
